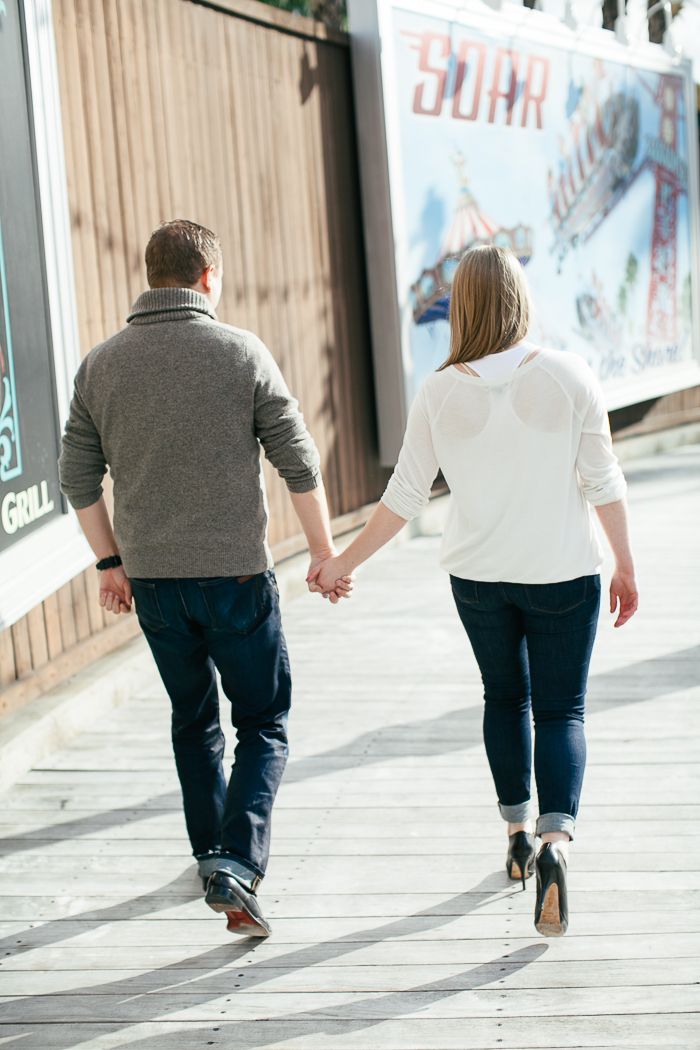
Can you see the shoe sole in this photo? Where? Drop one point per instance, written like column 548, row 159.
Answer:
column 550, row 919
column 240, row 919
column 515, row 873
column 243, row 923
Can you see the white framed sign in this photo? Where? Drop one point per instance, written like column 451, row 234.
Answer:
column 41, row 545
column 578, row 152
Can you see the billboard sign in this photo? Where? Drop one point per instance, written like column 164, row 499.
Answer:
column 29, row 494
column 573, row 150
column 41, row 546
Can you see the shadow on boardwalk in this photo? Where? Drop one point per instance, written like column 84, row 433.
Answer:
column 126, row 1006
column 456, row 730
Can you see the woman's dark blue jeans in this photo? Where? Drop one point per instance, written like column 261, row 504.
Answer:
column 533, row 644
column 193, row 626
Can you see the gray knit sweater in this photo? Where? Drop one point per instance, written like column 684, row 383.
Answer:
column 178, row 405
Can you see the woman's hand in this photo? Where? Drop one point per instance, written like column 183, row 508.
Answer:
column 115, row 590
column 325, row 577
column 334, row 575
column 623, row 589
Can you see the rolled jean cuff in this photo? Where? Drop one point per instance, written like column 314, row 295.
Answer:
column 517, row 814
column 206, row 866
column 556, row 822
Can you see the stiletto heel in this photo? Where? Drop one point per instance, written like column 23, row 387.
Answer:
column 551, row 906
column 521, row 855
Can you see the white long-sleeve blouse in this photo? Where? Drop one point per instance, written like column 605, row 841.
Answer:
column 525, row 454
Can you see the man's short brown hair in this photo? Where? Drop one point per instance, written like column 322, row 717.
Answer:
column 179, row 252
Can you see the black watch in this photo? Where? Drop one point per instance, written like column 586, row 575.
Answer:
column 109, row 563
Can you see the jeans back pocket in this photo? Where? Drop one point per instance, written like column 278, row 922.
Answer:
column 558, row 598
column 147, row 605
column 465, row 591
column 235, row 607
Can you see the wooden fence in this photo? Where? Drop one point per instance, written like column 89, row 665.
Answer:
column 658, row 414
column 238, row 116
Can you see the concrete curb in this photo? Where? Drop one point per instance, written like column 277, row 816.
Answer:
column 43, row 726
column 640, row 445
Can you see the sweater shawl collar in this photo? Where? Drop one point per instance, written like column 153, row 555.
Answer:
column 169, row 304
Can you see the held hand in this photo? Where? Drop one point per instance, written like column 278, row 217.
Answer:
column 115, row 590
column 332, row 586
column 330, row 577
column 623, row 589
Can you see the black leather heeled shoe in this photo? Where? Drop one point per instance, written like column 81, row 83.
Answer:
column 551, row 906
column 521, row 855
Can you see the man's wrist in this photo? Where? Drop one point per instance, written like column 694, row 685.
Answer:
column 112, row 561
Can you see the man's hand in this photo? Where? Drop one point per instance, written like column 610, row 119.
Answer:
column 328, row 578
column 312, row 510
column 340, row 587
column 115, row 590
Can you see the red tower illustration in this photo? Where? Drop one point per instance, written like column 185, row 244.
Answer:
column 604, row 157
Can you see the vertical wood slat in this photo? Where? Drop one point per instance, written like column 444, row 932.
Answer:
column 66, row 617
column 37, row 637
column 104, row 169
column 80, row 188
column 80, row 608
column 52, row 620
column 129, row 255
column 269, row 233
column 23, row 651
column 92, row 588
column 8, row 670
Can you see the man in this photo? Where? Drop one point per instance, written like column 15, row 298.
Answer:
column 178, row 404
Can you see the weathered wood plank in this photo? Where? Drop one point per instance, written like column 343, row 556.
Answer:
column 22, row 647
column 208, row 930
column 184, row 900
column 8, row 670
column 646, row 1030
column 328, row 869
column 37, row 637
column 433, row 1003
column 657, row 973
column 53, row 626
column 227, row 953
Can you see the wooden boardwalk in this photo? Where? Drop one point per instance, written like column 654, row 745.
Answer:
column 394, row 923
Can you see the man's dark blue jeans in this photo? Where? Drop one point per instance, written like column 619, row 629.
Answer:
column 533, row 644
column 193, row 626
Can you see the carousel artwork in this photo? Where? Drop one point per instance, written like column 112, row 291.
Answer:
column 470, row 227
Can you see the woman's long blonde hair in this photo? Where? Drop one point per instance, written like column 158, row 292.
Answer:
column 490, row 307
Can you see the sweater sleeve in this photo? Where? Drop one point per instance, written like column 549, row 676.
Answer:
column 602, row 480
column 82, row 463
column 409, row 486
column 280, row 426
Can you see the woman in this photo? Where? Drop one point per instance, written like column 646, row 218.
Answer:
column 522, row 438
